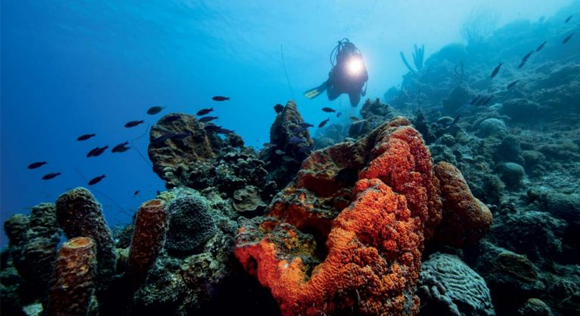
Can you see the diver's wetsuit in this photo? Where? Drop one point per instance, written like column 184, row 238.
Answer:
column 339, row 79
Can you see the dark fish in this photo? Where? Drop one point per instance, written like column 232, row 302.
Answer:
column 480, row 102
column 298, row 130
column 296, row 140
column 338, row 114
column 278, row 108
column 154, row 110
column 306, row 125
column 527, row 56
column 305, row 149
column 206, row 119
column 212, row 128
column 455, row 120
column 487, row 100
column 134, row 123
column 220, row 98
column 568, row 19
column 279, row 152
column 85, row 137
column 181, row 135
column 52, row 175
column 204, row 111
column 346, row 177
column 512, row 84
column 567, row 38
column 121, row 148
column 35, row 165
column 354, row 118
column 541, row 46
column 475, row 99
column 171, row 118
column 224, row 131
column 522, row 63
column 329, row 110
column 97, row 151
column 96, row 180
column 136, row 193
column 162, row 138
column 496, row 70
column 321, row 125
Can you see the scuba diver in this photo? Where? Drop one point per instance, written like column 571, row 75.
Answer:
column 348, row 74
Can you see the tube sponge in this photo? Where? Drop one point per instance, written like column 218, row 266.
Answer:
column 79, row 214
column 148, row 239
column 74, row 285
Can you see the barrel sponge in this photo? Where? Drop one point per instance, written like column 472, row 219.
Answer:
column 465, row 218
column 148, row 238
column 74, row 286
column 79, row 214
column 372, row 264
column 190, row 224
column 449, row 287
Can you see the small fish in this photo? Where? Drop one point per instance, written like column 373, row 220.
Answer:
column 288, row 159
column 35, row 165
column 134, row 123
column 279, row 152
column 278, row 108
column 306, row 125
column 162, row 138
column 154, row 110
column 298, row 130
column 85, row 137
column 206, row 119
column 96, row 180
column 354, row 118
column 97, row 151
column 475, row 99
column 171, row 118
column 204, row 111
column 51, row 175
column 296, row 140
column 121, row 148
column 522, row 63
column 455, row 121
column 527, row 56
column 496, row 70
column 136, row 193
column 512, row 84
column 268, row 145
column 181, row 135
column 567, row 38
column 321, row 125
column 328, row 110
column 225, row 131
column 541, row 46
column 212, row 128
column 338, row 114
column 305, row 149
column 220, row 98
column 480, row 102
column 568, row 19
column 487, row 100
column 346, row 177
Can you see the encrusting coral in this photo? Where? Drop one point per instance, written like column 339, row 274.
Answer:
column 347, row 236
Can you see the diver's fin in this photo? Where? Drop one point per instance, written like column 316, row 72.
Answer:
column 313, row 93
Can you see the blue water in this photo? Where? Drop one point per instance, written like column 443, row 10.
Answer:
column 75, row 67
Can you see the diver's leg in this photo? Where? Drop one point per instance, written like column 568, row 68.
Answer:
column 354, row 98
column 332, row 93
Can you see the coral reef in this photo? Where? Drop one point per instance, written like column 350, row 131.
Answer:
column 290, row 144
column 79, row 215
column 74, row 285
column 449, row 287
column 190, row 224
column 148, row 239
column 350, row 230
